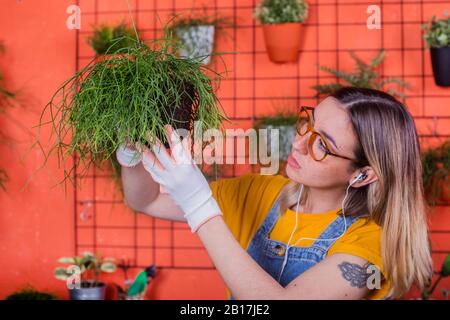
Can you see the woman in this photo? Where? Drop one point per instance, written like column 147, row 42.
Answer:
column 348, row 222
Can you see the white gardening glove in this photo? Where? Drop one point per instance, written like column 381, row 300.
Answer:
column 127, row 155
column 182, row 179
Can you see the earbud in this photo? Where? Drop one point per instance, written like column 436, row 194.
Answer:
column 361, row 177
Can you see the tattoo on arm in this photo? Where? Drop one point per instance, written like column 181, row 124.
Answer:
column 355, row 274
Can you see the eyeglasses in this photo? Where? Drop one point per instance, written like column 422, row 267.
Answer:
column 318, row 146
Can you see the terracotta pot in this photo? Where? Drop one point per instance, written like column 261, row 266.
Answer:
column 282, row 41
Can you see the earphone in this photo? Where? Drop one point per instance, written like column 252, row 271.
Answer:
column 361, row 177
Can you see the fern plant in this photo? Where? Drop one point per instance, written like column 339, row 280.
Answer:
column 363, row 76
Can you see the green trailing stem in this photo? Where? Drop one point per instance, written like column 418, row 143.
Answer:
column 128, row 95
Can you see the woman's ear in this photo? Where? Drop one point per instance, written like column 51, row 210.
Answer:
column 370, row 177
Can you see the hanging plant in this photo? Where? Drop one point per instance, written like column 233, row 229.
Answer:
column 284, row 120
column 282, row 27
column 197, row 33
column 129, row 96
column 364, row 76
column 436, row 174
column 108, row 39
column 437, row 37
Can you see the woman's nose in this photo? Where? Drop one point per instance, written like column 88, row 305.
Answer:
column 300, row 143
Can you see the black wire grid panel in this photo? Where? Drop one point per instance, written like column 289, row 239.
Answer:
column 103, row 224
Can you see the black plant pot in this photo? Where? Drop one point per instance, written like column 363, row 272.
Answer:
column 440, row 60
column 87, row 292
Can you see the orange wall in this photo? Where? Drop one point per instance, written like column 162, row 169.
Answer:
column 39, row 223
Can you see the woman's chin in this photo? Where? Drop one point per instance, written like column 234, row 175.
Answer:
column 292, row 173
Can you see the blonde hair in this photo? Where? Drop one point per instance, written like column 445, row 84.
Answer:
column 388, row 142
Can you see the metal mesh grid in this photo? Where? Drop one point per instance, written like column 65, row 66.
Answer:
column 104, row 224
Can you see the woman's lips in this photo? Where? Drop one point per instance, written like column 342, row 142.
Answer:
column 292, row 162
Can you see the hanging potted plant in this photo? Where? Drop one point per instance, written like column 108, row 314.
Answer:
column 284, row 121
column 107, row 39
column 89, row 267
column 436, row 174
column 437, row 37
column 364, row 76
column 197, row 34
column 282, row 27
column 129, row 96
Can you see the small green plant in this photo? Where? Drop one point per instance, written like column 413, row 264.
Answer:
column 281, row 11
column 195, row 33
column 364, row 76
column 437, row 33
column 179, row 21
column 128, row 96
column 106, row 39
column 283, row 115
column 436, row 172
column 90, row 266
column 445, row 272
column 284, row 121
column 30, row 293
column 278, row 119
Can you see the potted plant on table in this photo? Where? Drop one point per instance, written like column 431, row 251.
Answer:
column 436, row 174
column 437, row 37
column 196, row 34
column 89, row 267
column 365, row 75
column 129, row 96
column 30, row 293
column 282, row 27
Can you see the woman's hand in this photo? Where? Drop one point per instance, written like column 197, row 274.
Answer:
column 181, row 178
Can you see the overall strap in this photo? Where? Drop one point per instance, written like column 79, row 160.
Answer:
column 333, row 231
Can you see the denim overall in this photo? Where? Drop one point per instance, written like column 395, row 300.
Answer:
column 269, row 254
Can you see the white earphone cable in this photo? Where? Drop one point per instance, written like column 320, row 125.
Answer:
column 288, row 246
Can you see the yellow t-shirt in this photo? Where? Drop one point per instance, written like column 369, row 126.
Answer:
column 245, row 202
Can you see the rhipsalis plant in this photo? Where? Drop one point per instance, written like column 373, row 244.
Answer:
column 129, row 96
